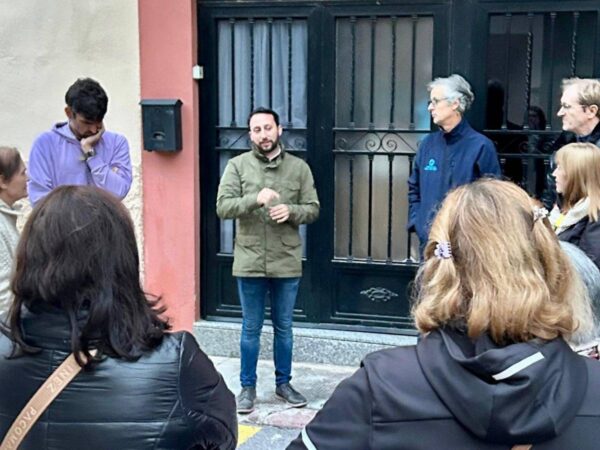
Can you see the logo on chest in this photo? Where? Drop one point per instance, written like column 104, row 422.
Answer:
column 431, row 166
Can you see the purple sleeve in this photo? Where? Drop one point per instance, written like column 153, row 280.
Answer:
column 114, row 176
column 39, row 168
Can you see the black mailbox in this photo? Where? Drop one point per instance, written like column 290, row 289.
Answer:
column 161, row 122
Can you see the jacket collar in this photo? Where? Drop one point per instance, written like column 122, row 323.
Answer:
column 14, row 211
column 458, row 132
column 261, row 157
column 593, row 137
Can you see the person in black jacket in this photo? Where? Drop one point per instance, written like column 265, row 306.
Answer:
column 577, row 175
column 77, row 288
column 492, row 369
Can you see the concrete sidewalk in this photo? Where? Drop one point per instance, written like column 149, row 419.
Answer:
column 273, row 424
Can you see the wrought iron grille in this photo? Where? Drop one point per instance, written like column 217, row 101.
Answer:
column 382, row 67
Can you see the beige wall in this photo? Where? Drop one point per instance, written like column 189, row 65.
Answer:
column 46, row 45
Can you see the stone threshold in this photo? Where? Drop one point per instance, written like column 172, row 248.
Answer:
column 311, row 345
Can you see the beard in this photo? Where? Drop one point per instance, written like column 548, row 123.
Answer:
column 265, row 150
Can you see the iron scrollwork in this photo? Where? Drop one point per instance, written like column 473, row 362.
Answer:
column 378, row 294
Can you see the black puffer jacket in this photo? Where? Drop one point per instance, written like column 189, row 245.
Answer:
column 585, row 234
column 454, row 394
column 171, row 398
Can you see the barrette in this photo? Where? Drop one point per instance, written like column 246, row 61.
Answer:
column 443, row 250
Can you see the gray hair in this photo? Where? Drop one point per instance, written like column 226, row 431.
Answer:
column 585, row 310
column 456, row 88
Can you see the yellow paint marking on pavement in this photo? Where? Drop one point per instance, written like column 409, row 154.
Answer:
column 245, row 432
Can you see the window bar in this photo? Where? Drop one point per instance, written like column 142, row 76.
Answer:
column 411, row 159
column 353, row 70
column 350, row 206
column 506, row 68
column 370, row 232
column 574, row 43
column 502, row 163
column 290, row 54
column 251, row 23
column 528, row 64
column 552, row 26
column 372, row 81
column 390, row 205
column 270, row 68
column 393, row 80
column 232, row 24
column 524, row 175
column 413, row 59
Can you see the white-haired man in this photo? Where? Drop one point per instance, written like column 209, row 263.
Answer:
column 580, row 114
column 450, row 157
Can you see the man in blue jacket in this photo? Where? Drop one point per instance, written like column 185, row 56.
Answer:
column 450, row 157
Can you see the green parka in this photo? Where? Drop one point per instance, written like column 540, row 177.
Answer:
column 263, row 247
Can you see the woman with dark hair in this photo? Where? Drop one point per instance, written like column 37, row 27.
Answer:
column 13, row 187
column 77, row 290
column 492, row 370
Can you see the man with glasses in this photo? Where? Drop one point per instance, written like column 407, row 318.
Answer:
column 450, row 157
column 580, row 114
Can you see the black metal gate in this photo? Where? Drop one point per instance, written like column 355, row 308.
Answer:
column 348, row 79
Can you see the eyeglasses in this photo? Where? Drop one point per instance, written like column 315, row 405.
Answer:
column 567, row 107
column 435, row 101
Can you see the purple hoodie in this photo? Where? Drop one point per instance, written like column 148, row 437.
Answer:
column 56, row 159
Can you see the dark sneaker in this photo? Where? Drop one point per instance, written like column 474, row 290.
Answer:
column 290, row 395
column 245, row 401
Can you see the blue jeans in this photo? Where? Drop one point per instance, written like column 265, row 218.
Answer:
column 252, row 292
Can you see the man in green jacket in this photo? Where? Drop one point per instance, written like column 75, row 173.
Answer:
column 270, row 193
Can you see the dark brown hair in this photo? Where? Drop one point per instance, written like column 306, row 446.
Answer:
column 78, row 253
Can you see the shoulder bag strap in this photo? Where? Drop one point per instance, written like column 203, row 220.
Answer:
column 516, row 447
column 36, row 406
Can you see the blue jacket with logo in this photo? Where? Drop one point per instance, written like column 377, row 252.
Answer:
column 443, row 162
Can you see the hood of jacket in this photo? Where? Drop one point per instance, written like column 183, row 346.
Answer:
column 525, row 392
column 63, row 130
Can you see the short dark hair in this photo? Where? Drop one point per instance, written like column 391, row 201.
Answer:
column 78, row 253
column 264, row 110
column 88, row 98
column 10, row 162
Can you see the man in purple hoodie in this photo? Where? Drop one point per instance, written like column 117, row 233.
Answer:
column 80, row 151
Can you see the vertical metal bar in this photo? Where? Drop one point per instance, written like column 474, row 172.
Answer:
column 528, row 65
column 290, row 54
column 411, row 159
column 574, row 43
column 390, row 205
column 502, row 164
column 524, row 174
column 370, row 230
column 352, row 70
column 232, row 25
column 506, row 70
column 393, row 79
column 251, row 24
column 372, row 80
column 270, row 63
column 551, row 81
column 350, row 205
column 413, row 59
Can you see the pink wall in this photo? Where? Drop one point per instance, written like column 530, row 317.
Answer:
column 168, row 51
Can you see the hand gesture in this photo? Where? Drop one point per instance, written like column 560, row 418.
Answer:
column 87, row 144
column 279, row 213
column 266, row 196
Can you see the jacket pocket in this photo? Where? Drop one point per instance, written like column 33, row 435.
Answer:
column 247, row 241
column 292, row 240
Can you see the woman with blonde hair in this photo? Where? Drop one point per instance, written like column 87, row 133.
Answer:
column 13, row 187
column 493, row 370
column 577, row 176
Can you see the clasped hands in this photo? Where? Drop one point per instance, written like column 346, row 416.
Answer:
column 279, row 213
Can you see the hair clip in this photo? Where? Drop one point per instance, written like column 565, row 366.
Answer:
column 443, row 250
column 539, row 213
